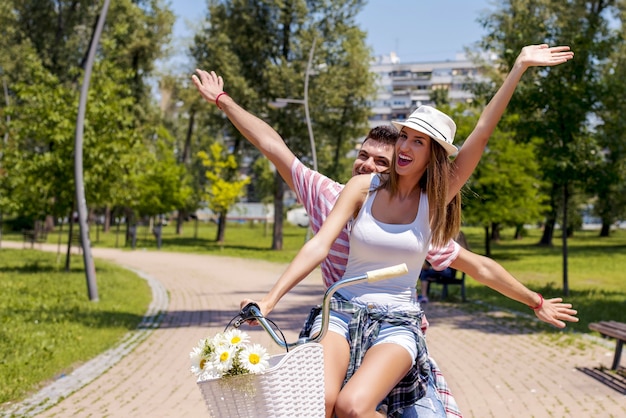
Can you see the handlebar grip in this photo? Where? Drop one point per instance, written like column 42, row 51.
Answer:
column 251, row 310
column 386, row 273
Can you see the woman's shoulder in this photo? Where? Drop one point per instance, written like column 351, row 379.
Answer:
column 360, row 184
column 360, row 180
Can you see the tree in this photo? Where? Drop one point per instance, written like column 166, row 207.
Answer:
column 163, row 184
column 180, row 108
column 505, row 188
column 221, row 194
column 555, row 103
column 261, row 49
column 50, row 41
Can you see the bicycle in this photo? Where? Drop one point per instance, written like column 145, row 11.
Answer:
column 293, row 386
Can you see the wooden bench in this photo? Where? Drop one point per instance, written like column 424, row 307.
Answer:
column 447, row 280
column 447, row 277
column 612, row 329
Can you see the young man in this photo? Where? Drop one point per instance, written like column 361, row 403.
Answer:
column 318, row 193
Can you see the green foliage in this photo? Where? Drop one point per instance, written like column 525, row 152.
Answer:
column 259, row 63
column 505, row 188
column 555, row 104
column 162, row 184
column 222, row 192
column 50, row 43
column 48, row 323
column 263, row 186
column 39, row 174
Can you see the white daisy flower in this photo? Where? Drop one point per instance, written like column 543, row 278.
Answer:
column 197, row 361
column 236, row 337
column 219, row 339
column 254, row 358
column 223, row 358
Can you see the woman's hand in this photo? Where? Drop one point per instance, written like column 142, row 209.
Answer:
column 554, row 312
column 265, row 309
column 543, row 55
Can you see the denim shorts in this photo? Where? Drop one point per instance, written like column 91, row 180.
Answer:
column 402, row 336
column 430, row 406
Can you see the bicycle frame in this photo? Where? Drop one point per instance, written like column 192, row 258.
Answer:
column 252, row 311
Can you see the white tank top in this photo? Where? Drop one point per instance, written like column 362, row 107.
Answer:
column 375, row 244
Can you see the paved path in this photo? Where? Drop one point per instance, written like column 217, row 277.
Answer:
column 493, row 369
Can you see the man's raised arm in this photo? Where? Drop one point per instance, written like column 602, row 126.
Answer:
column 255, row 130
column 490, row 273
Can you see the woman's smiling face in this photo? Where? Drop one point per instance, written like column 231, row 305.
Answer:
column 412, row 151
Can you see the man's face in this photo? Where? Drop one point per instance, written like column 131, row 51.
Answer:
column 373, row 157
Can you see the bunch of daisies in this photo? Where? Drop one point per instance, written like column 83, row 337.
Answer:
column 227, row 354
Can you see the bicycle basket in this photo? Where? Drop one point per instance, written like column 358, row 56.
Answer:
column 293, row 386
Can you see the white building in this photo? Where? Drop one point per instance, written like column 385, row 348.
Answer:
column 402, row 87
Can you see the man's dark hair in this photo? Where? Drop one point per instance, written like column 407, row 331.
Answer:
column 387, row 134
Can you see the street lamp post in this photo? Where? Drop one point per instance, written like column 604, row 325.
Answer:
column 305, row 102
column 90, row 270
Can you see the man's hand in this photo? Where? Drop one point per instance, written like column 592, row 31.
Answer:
column 554, row 312
column 209, row 84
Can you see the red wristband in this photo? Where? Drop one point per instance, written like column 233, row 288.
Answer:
column 540, row 303
column 217, row 99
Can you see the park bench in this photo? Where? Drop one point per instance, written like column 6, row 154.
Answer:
column 450, row 276
column 445, row 280
column 38, row 234
column 612, row 329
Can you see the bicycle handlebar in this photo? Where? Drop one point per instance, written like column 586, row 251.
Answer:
column 252, row 311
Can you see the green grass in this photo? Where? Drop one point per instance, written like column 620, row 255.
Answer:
column 49, row 326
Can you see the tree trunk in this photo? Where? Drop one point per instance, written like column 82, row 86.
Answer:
column 548, row 228
column 495, row 231
column 107, row 219
column 564, row 238
column 180, row 219
column 185, row 157
column 487, row 242
column 221, row 227
column 519, row 232
column 130, row 219
column 605, row 231
column 279, row 192
column 69, row 241
column 548, row 233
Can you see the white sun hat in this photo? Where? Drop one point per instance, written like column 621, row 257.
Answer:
column 434, row 123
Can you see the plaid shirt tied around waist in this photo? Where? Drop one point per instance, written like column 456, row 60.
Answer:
column 364, row 327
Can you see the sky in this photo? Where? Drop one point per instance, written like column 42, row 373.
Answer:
column 416, row 30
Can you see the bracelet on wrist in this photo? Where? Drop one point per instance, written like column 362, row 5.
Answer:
column 217, row 99
column 534, row 308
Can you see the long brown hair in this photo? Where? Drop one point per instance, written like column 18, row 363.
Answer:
column 445, row 218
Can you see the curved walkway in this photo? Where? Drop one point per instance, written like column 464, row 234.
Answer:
column 493, row 368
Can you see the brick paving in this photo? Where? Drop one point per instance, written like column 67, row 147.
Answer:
column 494, row 368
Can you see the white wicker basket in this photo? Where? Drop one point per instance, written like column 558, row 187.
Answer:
column 293, row 386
